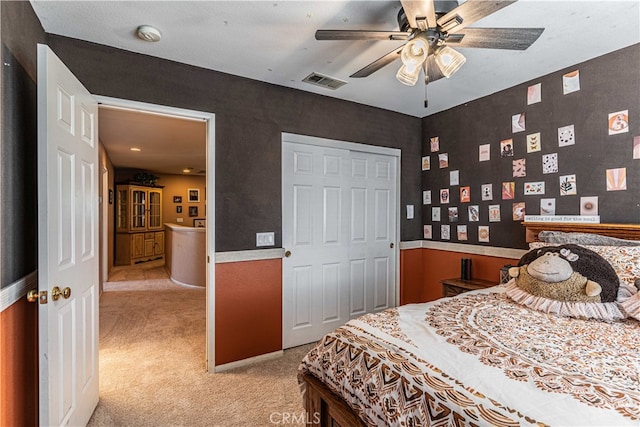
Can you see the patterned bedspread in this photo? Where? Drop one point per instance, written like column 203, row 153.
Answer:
column 481, row 359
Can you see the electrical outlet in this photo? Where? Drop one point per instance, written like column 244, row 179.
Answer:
column 179, row 220
column 265, row 239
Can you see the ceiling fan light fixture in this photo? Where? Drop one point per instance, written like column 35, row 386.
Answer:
column 449, row 60
column 408, row 77
column 413, row 55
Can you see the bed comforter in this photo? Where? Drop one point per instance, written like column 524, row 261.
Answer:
column 482, row 359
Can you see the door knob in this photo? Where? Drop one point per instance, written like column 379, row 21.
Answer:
column 56, row 293
column 391, row 245
column 33, row 295
column 287, row 254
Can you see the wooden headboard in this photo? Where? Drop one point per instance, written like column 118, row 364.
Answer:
column 621, row 231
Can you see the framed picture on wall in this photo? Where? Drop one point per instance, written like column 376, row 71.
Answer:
column 177, row 199
column 179, row 209
column 193, row 211
column 200, row 223
column 194, row 195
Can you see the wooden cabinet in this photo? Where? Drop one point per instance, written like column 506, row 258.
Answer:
column 453, row 287
column 139, row 227
column 138, row 208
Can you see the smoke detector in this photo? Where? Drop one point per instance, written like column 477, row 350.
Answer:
column 148, row 33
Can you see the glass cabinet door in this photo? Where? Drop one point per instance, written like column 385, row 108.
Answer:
column 138, row 208
column 122, row 223
column 155, row 209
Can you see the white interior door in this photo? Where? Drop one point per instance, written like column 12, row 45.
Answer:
column 339, row 230
column 68, row 253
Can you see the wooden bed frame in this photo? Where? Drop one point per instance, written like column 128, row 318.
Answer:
column 620, row 231
column 325, row 408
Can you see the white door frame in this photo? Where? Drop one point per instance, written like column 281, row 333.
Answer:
column 209, row 118
column 363, row 148
column 104, row 211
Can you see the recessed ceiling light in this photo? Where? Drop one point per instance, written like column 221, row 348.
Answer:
column 186, row 170
column 135, row 149
column 148, row 33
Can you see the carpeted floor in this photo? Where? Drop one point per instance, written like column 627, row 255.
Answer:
column 152, row 364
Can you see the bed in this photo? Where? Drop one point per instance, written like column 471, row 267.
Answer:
column 479, row 359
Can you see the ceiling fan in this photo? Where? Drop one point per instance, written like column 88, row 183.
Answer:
column 431, row 27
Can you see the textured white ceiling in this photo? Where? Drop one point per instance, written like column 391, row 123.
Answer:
column 273, row 41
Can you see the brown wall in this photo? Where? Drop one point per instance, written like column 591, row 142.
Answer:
column 422, row 269
column 411, row 276
column 248, row 309
column 19, row 365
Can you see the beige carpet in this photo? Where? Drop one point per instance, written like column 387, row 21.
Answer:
column 152, row 366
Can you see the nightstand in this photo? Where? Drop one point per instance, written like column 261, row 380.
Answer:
column 453, row 287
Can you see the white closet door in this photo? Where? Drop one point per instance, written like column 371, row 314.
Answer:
column 339, row 224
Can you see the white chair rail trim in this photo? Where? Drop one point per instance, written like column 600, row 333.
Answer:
column 464, row 248
column 18, row 289
column 250, row 255
column 12, row 293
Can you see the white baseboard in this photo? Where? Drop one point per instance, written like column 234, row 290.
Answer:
column 249, row 361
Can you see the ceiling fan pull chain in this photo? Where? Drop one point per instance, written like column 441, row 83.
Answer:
column 426, row 101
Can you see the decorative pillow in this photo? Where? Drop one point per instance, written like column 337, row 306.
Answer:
column 560, row 237
column 625, row 260
column 631, row 305
column 567, row 280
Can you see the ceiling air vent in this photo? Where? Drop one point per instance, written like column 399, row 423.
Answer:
column 324, row 81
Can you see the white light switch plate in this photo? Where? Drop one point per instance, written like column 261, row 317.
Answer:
column 265, row 239
column 409, row 211
column 179, row 219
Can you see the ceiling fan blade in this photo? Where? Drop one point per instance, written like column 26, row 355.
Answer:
column 433, row 72
column 378, row 63
column 361, row 35
column 415, row 9
column 495, row 38
column 469, row 12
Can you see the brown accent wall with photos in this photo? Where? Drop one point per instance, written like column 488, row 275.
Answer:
column 567, row 143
